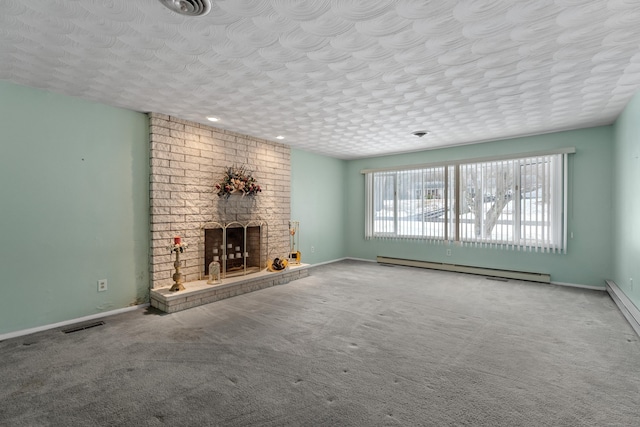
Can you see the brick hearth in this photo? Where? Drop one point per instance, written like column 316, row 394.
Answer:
column 199, row 292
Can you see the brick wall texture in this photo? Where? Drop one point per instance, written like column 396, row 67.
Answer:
column 187, row 159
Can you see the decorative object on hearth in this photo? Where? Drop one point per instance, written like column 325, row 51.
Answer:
column 178, row 247
column 277, row 264
column 294, row 242
column 237, row 180
column 214, row 272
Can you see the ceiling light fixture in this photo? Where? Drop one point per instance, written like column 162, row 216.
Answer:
column 279, row 137
column 420, row 133
column 213, row 119
column 188, row 7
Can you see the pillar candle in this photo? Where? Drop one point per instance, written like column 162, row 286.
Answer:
column 176, row 240
column 238, row 255
column 230, row 256
column 216, row 258
column 237, row 248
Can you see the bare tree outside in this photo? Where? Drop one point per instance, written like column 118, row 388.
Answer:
column 490, row 183
column 511, row 201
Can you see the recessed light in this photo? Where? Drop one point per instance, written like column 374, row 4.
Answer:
column 279, row 137
column 212, row 119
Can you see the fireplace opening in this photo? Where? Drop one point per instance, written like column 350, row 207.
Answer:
column 238, row 248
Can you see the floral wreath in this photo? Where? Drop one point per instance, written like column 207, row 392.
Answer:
column 237, row 180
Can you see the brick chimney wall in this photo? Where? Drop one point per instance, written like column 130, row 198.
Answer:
column 187, row 159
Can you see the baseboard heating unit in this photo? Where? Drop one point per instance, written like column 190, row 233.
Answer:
column 507, row 274
column 625, row 305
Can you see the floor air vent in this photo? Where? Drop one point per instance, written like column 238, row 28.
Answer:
column 78, row 328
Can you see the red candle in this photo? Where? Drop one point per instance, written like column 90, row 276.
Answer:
column 176, row 240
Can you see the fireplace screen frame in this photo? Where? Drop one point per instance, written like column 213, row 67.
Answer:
column 236, row 235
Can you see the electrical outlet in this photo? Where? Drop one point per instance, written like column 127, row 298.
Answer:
column 448, row 252
column 313, row 249
column 102, row 285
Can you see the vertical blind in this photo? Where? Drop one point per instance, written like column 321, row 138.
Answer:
column 516, row 203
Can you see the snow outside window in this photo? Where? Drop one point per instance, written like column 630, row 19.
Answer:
column 511, row 203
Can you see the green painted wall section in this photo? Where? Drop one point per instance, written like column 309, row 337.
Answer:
column 588, row 259
column 626, row 201
column 318, row 202
column 74, row 207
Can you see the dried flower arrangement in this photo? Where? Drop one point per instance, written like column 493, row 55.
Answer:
column 237, row 180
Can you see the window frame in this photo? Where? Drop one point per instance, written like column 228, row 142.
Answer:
column 557, row 220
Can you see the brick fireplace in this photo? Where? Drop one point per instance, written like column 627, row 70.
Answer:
column 187, row 159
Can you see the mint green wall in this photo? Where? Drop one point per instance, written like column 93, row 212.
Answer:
column 588, row 261
column 74, row 207
column 318, row 202
column 626, row 201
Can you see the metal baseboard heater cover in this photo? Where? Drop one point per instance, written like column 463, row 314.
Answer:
column 507, row 274
column 625, row 305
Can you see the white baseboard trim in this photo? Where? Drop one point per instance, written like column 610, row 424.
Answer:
column 331, row 261
column 626, row 306
column 577, row 285
column 340, row 259
column 69, row 322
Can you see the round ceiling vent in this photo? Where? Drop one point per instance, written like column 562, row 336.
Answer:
column 189, row 7
column 420, row 133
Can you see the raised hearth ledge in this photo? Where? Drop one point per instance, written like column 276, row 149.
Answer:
column 199, row 292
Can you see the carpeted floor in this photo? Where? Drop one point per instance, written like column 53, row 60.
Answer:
column 355, row 344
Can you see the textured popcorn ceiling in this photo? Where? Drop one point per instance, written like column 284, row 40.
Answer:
column 345, row 78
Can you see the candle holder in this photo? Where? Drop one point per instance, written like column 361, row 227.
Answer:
column 178, row 248
column 294, row 242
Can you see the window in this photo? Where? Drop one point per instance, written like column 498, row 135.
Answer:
column 410, row 203
column 515, row 203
